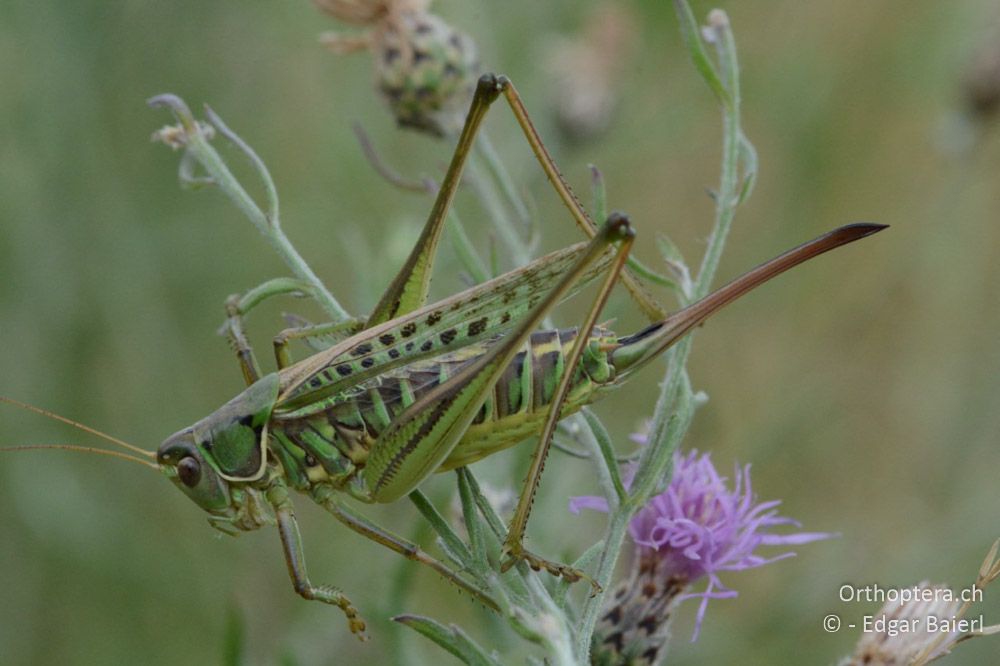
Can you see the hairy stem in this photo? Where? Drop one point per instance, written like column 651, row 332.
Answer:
column 675, row 404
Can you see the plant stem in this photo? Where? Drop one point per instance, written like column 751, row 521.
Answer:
column 197, row 147
column 675, row 407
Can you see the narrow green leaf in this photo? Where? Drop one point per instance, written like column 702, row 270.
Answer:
column 675, row 262
column 607, row 450
column 455, row 546
column 748, row 158
column 515, row 587
column 274, row 287
column 648, row 274
column 582, row 563
column 696, row 49
column 270, row 191
column 599, row 211
column 451, row 638
column 472, row 524
column 464, row 249
column 234, row 638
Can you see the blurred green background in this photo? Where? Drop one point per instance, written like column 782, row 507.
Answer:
column 864, row 388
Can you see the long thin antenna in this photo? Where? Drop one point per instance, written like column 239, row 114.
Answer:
column 81, row 449
column 92, row 431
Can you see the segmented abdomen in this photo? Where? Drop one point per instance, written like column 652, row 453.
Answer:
column 519, row 404
column 515, row 409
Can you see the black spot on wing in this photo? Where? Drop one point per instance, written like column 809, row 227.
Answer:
column 477, row 327
column 362, row 349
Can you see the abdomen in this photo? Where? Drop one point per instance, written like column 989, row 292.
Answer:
column 519, row 403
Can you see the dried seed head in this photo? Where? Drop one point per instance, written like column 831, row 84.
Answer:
column 368, row 12
column 425, row 69
column 892, row 647
column 176, row 137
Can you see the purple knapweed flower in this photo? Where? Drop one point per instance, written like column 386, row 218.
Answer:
column 700, row 526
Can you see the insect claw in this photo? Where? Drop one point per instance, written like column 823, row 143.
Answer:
column 354, row 621
column 358, row 629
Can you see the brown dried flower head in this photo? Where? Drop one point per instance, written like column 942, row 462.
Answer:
column 424, row 69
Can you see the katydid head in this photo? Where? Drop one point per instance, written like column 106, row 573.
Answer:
column 228, row 447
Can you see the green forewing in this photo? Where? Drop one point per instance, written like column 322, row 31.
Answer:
column 474, row 315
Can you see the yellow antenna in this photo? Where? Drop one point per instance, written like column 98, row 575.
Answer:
column 81, row 449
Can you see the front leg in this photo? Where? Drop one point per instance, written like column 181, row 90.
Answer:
column 295, row 558
column 233, row 329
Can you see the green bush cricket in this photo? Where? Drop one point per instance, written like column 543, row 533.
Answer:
column 421, row 388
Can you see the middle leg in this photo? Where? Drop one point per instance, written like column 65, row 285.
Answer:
column 513, row 545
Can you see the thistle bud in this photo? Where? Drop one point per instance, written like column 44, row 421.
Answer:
column 634, row 625
column 424, row 69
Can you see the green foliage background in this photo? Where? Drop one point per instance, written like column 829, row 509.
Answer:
column 863, row 388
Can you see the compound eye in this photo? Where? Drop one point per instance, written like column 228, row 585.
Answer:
column 189, row 471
